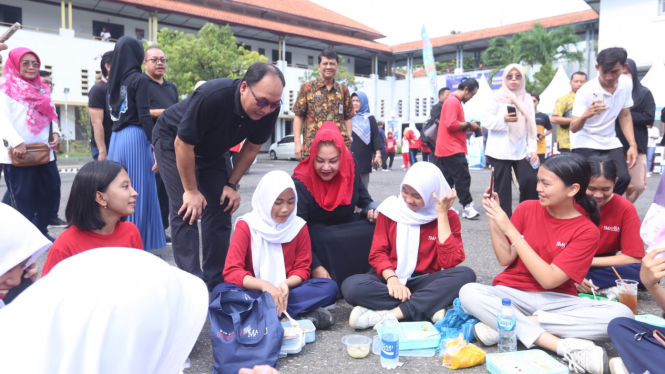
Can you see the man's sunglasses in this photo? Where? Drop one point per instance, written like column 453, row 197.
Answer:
column 262, row 103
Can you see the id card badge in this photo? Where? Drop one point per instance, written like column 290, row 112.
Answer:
column 341, row 108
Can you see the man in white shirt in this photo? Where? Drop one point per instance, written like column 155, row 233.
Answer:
column 597, row 105
column 105, row 35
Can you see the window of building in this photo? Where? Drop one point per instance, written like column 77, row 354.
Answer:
column 116, row 31
column 84, row 82
column 10, row 14
column 140, row 34
column 275, row 56
column 310, row 60
column 661, row 7
column 247, row 47
column 262, row 51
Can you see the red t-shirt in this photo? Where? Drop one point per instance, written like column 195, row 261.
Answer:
column 570, row 244
column 432, row 255
column 619, row 228
column 413, row 142
column 74, row 241
column 425, row 148
column 297, row 255
column 391, row 145
column 450, row 140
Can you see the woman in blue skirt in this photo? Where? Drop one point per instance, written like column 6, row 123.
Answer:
column 129, row 104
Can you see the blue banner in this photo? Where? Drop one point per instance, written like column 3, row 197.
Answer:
column 430, row 67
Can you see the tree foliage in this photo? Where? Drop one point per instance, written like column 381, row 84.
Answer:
column 343, row 76
column 541, row 79
column 212, row 53
column 536, row 46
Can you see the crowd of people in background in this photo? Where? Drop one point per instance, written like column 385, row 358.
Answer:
column 317, row 235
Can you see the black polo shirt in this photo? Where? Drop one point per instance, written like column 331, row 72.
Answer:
column 97, row 100
column 212, row 119
column 162, row 95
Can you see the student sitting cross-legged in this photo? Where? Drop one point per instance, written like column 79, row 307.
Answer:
column 619, row 231
column 416, row 248
column 548, row 245
column 271, row 252
column 101, row 199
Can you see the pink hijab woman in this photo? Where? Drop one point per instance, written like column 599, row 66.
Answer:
column 27, row 116
column 511, row 140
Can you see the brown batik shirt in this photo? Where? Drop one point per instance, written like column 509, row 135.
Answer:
column 316, row 104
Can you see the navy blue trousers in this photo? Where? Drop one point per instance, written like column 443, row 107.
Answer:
column 309, row 295
column 605, row 277
column 638, row 356
column 31, row 191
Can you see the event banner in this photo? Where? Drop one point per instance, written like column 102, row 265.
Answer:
column 430, row 67
column 395, row 127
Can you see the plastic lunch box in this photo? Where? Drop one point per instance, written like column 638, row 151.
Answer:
column 310, row 332
column 416, row 335
column 293, row 340
column 522, row 362
column 651, row 319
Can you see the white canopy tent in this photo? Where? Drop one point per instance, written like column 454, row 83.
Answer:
column 559, row 86
column 475, row 109
column 654, row 80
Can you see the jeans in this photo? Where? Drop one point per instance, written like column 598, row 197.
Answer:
column 650, row 153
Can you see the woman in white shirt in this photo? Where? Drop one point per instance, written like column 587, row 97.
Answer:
column 511, row 141
column 27, row 116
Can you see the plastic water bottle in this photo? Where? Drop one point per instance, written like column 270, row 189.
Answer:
column 390, row 342
column 534, row 164
column 507, row 321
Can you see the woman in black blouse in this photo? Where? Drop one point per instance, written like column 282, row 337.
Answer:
column 329, row 189
column 367, row 142
column 129, row 105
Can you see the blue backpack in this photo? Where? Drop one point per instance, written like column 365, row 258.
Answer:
column 245, row 331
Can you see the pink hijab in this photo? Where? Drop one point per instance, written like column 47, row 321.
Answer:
column 33, row 94
column 521, row 100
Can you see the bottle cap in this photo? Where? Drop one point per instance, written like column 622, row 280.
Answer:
column 505, row 301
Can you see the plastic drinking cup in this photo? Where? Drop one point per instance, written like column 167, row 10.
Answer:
column 628, row 293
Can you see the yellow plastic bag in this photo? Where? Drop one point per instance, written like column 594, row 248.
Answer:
column 459, row 354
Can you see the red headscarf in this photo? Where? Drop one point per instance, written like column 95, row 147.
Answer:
column 33, row 94
column 338, row 191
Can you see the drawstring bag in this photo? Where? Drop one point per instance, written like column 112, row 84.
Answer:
column 245, row 331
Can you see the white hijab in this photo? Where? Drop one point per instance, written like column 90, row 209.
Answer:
column 20, row 240
column 425, row 178
column 268, row 235
column 107, row 310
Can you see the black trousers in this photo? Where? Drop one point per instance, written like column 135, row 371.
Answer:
column 384, row 157
column 618, row 156
column 429, row 293
column 211, row 177
column 163, row 200
column 455, row 169
column 541, row 157
column 390, row 157
column 426, row 156
column 31, row 190
column 527, row 177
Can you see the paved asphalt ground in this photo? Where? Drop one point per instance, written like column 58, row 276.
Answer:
column 327, row 354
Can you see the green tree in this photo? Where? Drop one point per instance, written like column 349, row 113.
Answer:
column 343, row 76
column 212, row 53
column 541, row 79
column 536, row 46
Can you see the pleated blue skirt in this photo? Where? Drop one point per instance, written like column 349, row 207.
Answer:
column 131, row 148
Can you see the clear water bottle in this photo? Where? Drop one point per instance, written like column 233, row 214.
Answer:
column 507, row 321
column 534, row 164
column 390, row 342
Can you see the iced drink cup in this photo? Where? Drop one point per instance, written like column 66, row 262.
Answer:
column 628, row 293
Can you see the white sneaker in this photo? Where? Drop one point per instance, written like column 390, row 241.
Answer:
column 485, row 334
column 469, row 212
column 363, row 318
column 591, row 360
column 439, row 315
column 617, row 366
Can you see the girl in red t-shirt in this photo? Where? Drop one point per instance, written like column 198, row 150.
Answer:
column 619, row 231
column 416, row 236
column 547, row 246
column 271, row 252
column 406, row 157
column 101, row 199
column 391, row 148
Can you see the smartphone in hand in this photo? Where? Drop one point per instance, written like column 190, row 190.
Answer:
column 492, row 183
column 512, row 109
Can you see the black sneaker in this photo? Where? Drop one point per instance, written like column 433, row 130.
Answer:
column 321, row 318
column 168, row 238
column 57, row 222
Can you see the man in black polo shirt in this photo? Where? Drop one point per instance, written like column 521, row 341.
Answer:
column 163, row 94
column 100, row 120
column 190, row 141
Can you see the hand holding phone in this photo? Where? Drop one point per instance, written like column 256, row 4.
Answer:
column 512, row 114
column 492, row 182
